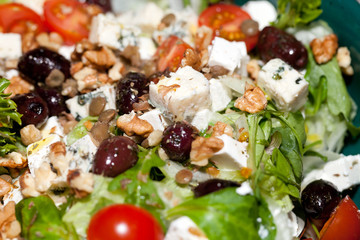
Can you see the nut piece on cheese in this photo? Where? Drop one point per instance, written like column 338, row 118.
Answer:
column 286, row 86
column 182, row 95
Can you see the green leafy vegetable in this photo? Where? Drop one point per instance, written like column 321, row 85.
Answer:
column 79, row 130
column 293, row 12
column 41, row 219
column 8, row 115
column 226, row 215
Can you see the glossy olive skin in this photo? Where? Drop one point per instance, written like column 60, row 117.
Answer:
column 36, row 65
column 275, row 43
column 114, row 156
column 212, row 185
column 319, row 199
column 128, row 91
column 55, row 101
column 33, row 108
column 177, row 139
column 104, row 4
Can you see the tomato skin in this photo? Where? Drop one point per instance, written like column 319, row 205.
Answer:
column 344, row 223
column 170, row 53
column 13, row 18
column 68, row 18
column 226, row 20
column 124, row 222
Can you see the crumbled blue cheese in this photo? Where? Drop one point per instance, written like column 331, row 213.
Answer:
column 286, row 86
column 52, row 126
column 182, row 95
column 79, row 105
column 10, row 45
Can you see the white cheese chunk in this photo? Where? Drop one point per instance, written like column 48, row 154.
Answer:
column 79, row 105
column 343, row 172
column 66, row 51
column 232, row 156
column 35, row 5
column 38, row 152
column 149, row 16
column 201, row 119
column 245, row 189
column 14, row 194
column 11, row 73
column 261, row 11
column 52, row 126
column 147, row 47
column 220, row 95
column 182, row 95
column 83, row 151
column 226, row 54
column 10, row 45
column 156, row 119
column 286, row 86
column 180, row 229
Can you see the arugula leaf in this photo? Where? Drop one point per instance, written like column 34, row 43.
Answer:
column 227, row 215
column 295, row 12
column 41, row 219
column 8, row 115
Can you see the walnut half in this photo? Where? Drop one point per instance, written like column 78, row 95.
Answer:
column 324, row 49
column 252, row 101
column 204, row 148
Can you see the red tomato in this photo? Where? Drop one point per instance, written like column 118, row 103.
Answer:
column 17, row 18
column 170, row 53
column 344, row 222
column 124, row 222
column 68, row 18
column 226, row 20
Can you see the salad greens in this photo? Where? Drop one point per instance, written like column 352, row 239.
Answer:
column 8, row 115
column 80, row 130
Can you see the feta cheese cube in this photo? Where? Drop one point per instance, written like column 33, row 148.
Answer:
column 149, row 16
column 157, row 121
column 201, row 119
column 343, row 172
column 38, row 152
column 147, row 47
column 232, row 156
column 261, row 11
column 180, row 229
column 35, row 5
column 226, row 54
column 286, row 86
column 52, row 126
column 79, row 105
column 105, row 30
column 182, row 95
column 66, row 51
column 10, row 45
column 220, row 95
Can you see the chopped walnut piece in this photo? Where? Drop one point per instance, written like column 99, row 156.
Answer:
column 153, row 139
column 218, row 70
column 18, row 86
column 103, row 58
column 116, row 70
column 132, row 54
column 58, row 157
column 221, row 128
column 30, row 134
column 253, row 68
column 192, row 59
column 324, row 49
column 131, row 124
column 252, row 101
column 203, row 37
column 81, row 47
column 52, row 41
column 82, row 183
column 204, row 148
column 27, row 184
column 13, row 160
column 344, row 59
column 28, row 42
column 86, row 79
column 5, row 187
column 75, row 67
column 69, row 88
column 10, row 228
column 44, row 177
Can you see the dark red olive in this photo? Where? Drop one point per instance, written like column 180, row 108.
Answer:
column 319, row 199
column 128, row 91
column 213, row 185
column 177, row 139
column 37, row 64
column 55, row 101
column 33, row 108
column 104, row 4
column 114, row 156
column 275, row 43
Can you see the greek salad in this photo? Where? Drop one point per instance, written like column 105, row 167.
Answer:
column 175, row 120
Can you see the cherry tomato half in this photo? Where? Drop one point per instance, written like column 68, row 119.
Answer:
column 68, row 18
column 344, row 222
column 170, row 53
column 226, row 20
column 124, row 222
column 17, row 18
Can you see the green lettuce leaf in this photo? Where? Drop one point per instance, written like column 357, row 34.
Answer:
column 79, row 130
column 227, row 215
column 41, row 219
